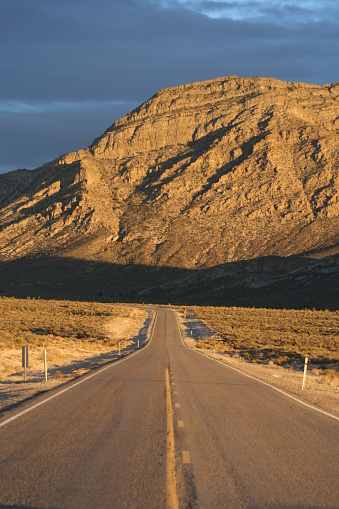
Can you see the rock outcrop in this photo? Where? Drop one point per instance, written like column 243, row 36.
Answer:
column 198, row 177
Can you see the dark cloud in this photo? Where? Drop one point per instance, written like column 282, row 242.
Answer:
column 30, row 138
column 119, row 53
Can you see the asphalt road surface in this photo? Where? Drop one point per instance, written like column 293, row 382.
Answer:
column 167, row 427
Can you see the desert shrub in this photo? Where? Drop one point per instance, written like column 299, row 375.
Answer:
column 284, row 335
column 67, row 329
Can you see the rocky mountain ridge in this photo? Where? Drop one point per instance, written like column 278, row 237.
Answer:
column 198, row 177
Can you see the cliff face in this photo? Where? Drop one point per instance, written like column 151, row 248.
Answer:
column 198, row 176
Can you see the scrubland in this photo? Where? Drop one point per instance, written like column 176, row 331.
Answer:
column 276, row 337
column 68, row 330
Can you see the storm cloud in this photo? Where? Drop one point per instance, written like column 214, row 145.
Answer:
column 71, row 68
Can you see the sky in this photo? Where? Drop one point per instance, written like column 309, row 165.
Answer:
column 70, row 68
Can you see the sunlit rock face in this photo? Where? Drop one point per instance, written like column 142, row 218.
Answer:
column 199, row 176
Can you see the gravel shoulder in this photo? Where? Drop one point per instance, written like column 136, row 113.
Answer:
column 14, row 391
column 316, row 393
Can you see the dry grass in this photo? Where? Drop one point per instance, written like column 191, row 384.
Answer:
column 68, row 330
column 281, row 337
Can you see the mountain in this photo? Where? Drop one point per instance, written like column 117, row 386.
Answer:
column 218, row 190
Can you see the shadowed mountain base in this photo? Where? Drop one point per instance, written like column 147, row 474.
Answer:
column 222, row 192
column 273, row 282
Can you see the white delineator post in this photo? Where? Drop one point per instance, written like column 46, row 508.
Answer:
column 305, row 372
column 45, row 363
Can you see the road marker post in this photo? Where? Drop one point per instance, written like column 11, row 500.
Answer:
column 25, row 361
column 119, row 347
column 227, row 366
column 138, row 343
column 81, row 381
column 45, row 363
column 305, row 373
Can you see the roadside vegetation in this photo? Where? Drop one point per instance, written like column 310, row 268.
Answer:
column 274, row 336
column 68, row 330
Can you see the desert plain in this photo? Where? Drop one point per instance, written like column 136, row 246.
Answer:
column 267, row 344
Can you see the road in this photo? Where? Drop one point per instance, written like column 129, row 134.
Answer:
column 167, row 427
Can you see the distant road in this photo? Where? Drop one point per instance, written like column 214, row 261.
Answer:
column 168, row 427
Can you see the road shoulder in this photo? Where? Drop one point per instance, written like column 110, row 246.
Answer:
column 14, row 393
column 321, row 396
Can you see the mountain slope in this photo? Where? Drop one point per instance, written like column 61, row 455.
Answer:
column 199, row 176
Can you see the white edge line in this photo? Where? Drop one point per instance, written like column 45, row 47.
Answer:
column 253, row 377
column 100, row 370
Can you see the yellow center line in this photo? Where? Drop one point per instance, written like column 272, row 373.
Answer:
column 171, row 481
